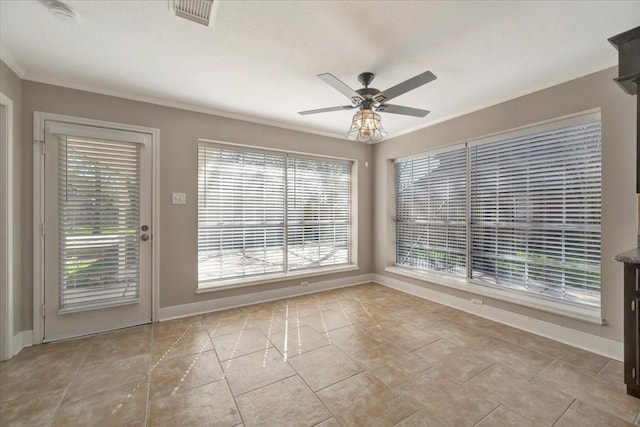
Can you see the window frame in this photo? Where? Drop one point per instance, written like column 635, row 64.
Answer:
column 591, row 314
column 258, row 279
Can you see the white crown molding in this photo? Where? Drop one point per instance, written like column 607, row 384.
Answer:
column 179, row 105
column 12, row 62
column 593, row 343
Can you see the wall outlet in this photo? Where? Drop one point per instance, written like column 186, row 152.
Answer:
column 304, row 283
column 477, row 301
column 178, row 198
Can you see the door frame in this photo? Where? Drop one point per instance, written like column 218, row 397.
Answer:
column 6, row 230
column 39, row 119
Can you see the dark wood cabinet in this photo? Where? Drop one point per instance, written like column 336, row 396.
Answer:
column 632, row 328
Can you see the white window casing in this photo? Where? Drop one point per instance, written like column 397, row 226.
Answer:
column 265, row 215
column 532, row 218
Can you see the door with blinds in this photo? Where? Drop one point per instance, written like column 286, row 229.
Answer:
column 97, row 230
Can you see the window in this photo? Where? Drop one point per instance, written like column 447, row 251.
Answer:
column 431, row 212
column 533, row 218
column 270, row 213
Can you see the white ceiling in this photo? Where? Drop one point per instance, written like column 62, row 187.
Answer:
column 260, row 59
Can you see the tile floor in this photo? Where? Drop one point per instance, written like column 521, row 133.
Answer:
column 362, row 356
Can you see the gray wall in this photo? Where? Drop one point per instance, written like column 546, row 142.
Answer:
column 179, row 131
column 11, row 86
column 619, row 209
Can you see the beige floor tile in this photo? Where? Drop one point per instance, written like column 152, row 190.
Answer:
column 391, row 365
column 363, row 400
column 572, row 355
column 185, row 372
column 323, row 367
column 209, row 405
column 463, row 318
column 388, row 304
column 176, row 327
column 191, row 342
column 298, row 340
column 581, row 414
column 239, row 343
column 30, row 410
column 285, row 403
column 303, row 308
column 107, row 376
column 344, row 305
column 285, row 320
column 265, row 309
column 521, row 395
column 218, row 326
column 614, row 369
column 600, row 391
column 503, row 417
column 331, row 422
column 518, row 358
column 372, row 319
column 119, row 345
column 457, row 380
column 353, row 339
column 417, row 317
column 173, row 328
column 459, row 335
column 423, row 418
column 327, row 320
column 247, row 373
column 123, row 408
column 447, row 400
column 425, row 304
column 454, row 360
column 407, row 337
column 507, row 333
column 39, row 374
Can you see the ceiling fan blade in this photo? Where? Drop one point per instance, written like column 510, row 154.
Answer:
column 341, row 87
column 324, row 110
column 405, row 87
column 398, row 109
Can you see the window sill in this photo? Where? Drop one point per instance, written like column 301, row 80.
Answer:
column 585, row 314
column 271, row 278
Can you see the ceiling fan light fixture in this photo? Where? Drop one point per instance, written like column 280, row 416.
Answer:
column 366, row 126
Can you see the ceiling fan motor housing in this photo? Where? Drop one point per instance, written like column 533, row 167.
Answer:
column 366, row 78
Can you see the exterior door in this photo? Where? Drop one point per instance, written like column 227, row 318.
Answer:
column 97, row 229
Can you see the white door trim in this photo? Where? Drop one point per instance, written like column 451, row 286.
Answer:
column 6, row 231
column 39, row 119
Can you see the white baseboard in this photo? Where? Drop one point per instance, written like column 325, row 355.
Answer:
column 217, row 304
column 595, row 344
column 21, row 340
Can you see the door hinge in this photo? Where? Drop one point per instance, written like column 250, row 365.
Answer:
column 633, row 373
column 44, row 310
column 44, row 229
column 633, row 305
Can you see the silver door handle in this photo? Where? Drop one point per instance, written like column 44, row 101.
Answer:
column 144, row 237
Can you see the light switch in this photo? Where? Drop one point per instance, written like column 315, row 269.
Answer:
column 178, row 198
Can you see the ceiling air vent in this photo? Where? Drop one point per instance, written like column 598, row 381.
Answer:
column 200, row 11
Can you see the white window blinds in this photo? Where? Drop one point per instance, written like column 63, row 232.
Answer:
column 431, row 211
column 535, row 204
column 318, row 212
column 98, row 220
column 241, row 213
column 528, row 206
column 265, row 212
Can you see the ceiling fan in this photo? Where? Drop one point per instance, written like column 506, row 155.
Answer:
column 366, row 125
